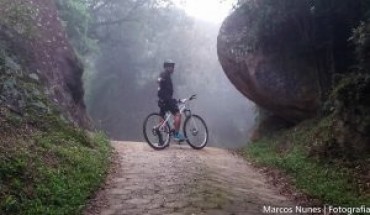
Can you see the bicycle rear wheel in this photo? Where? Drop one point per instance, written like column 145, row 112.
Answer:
column 156, row 134
column 196, row 132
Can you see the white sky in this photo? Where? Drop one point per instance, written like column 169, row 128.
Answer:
column 214, row 11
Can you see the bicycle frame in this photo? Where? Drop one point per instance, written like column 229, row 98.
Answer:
column 184, row 109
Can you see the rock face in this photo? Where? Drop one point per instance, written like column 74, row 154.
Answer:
column 47, row 54
column 283, row 82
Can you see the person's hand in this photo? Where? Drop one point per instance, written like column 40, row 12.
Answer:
column 182, row 100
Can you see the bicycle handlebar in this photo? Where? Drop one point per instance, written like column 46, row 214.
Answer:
column 189, row 99
column 193, row 97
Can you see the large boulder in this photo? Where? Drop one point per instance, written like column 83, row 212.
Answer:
column 40, row 40
column 274, row 79
column 281, row 54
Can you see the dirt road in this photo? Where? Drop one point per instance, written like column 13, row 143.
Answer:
column 180, row 180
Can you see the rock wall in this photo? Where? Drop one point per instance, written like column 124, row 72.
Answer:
column 46, row 52
column 282, row 54
column 276, row 80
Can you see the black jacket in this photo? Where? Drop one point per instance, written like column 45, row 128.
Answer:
column 165, row 90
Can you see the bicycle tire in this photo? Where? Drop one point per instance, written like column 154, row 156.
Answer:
column 187, row 134
column 151, row 143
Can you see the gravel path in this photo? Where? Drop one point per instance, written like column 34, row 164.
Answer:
column 180, row 180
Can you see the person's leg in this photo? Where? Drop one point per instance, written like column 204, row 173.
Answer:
column 172, row 106
column 162, row 110
column 177, row 120
column 179, row 137
column 162, row 113
column 177, row 123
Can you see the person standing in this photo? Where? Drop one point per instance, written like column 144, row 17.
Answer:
column 166, row 101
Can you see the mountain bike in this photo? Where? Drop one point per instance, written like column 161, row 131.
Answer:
column 158, row 131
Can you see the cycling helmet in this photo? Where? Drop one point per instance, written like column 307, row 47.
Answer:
column 169, row 63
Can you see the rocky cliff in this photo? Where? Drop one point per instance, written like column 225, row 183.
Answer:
column 282, row 54
column 38, row 39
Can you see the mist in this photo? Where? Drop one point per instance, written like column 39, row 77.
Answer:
column 122, row 84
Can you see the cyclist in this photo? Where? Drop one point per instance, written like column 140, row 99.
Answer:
column 166, row 102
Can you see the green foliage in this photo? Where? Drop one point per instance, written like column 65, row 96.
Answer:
column 350, row 106
column 361, row 39
column 290, row 151
column 352, row 91
column 20, row 91
column 51, row 169
column 47, row 166
column 53, row 173
column 18, row 15
column 77, row 18
column 328, row 158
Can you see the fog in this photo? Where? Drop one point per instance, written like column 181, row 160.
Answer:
column 122, row 83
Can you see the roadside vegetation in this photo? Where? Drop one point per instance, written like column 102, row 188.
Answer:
column 326, row 157
column 299, row 153
column 47, row 165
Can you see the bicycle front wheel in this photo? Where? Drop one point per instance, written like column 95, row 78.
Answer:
column 196, row 132
column 155, row 132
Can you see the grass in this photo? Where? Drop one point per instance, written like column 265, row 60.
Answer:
column 52, row 172
column 47, row 166
column 289, row 151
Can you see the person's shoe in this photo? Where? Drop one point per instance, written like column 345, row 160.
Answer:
column 179, row 137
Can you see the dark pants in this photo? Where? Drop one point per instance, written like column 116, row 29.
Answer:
column 168, row 105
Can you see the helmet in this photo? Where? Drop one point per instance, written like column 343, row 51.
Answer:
column 169, row 63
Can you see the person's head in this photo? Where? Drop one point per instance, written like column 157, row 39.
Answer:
column 169, row 66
